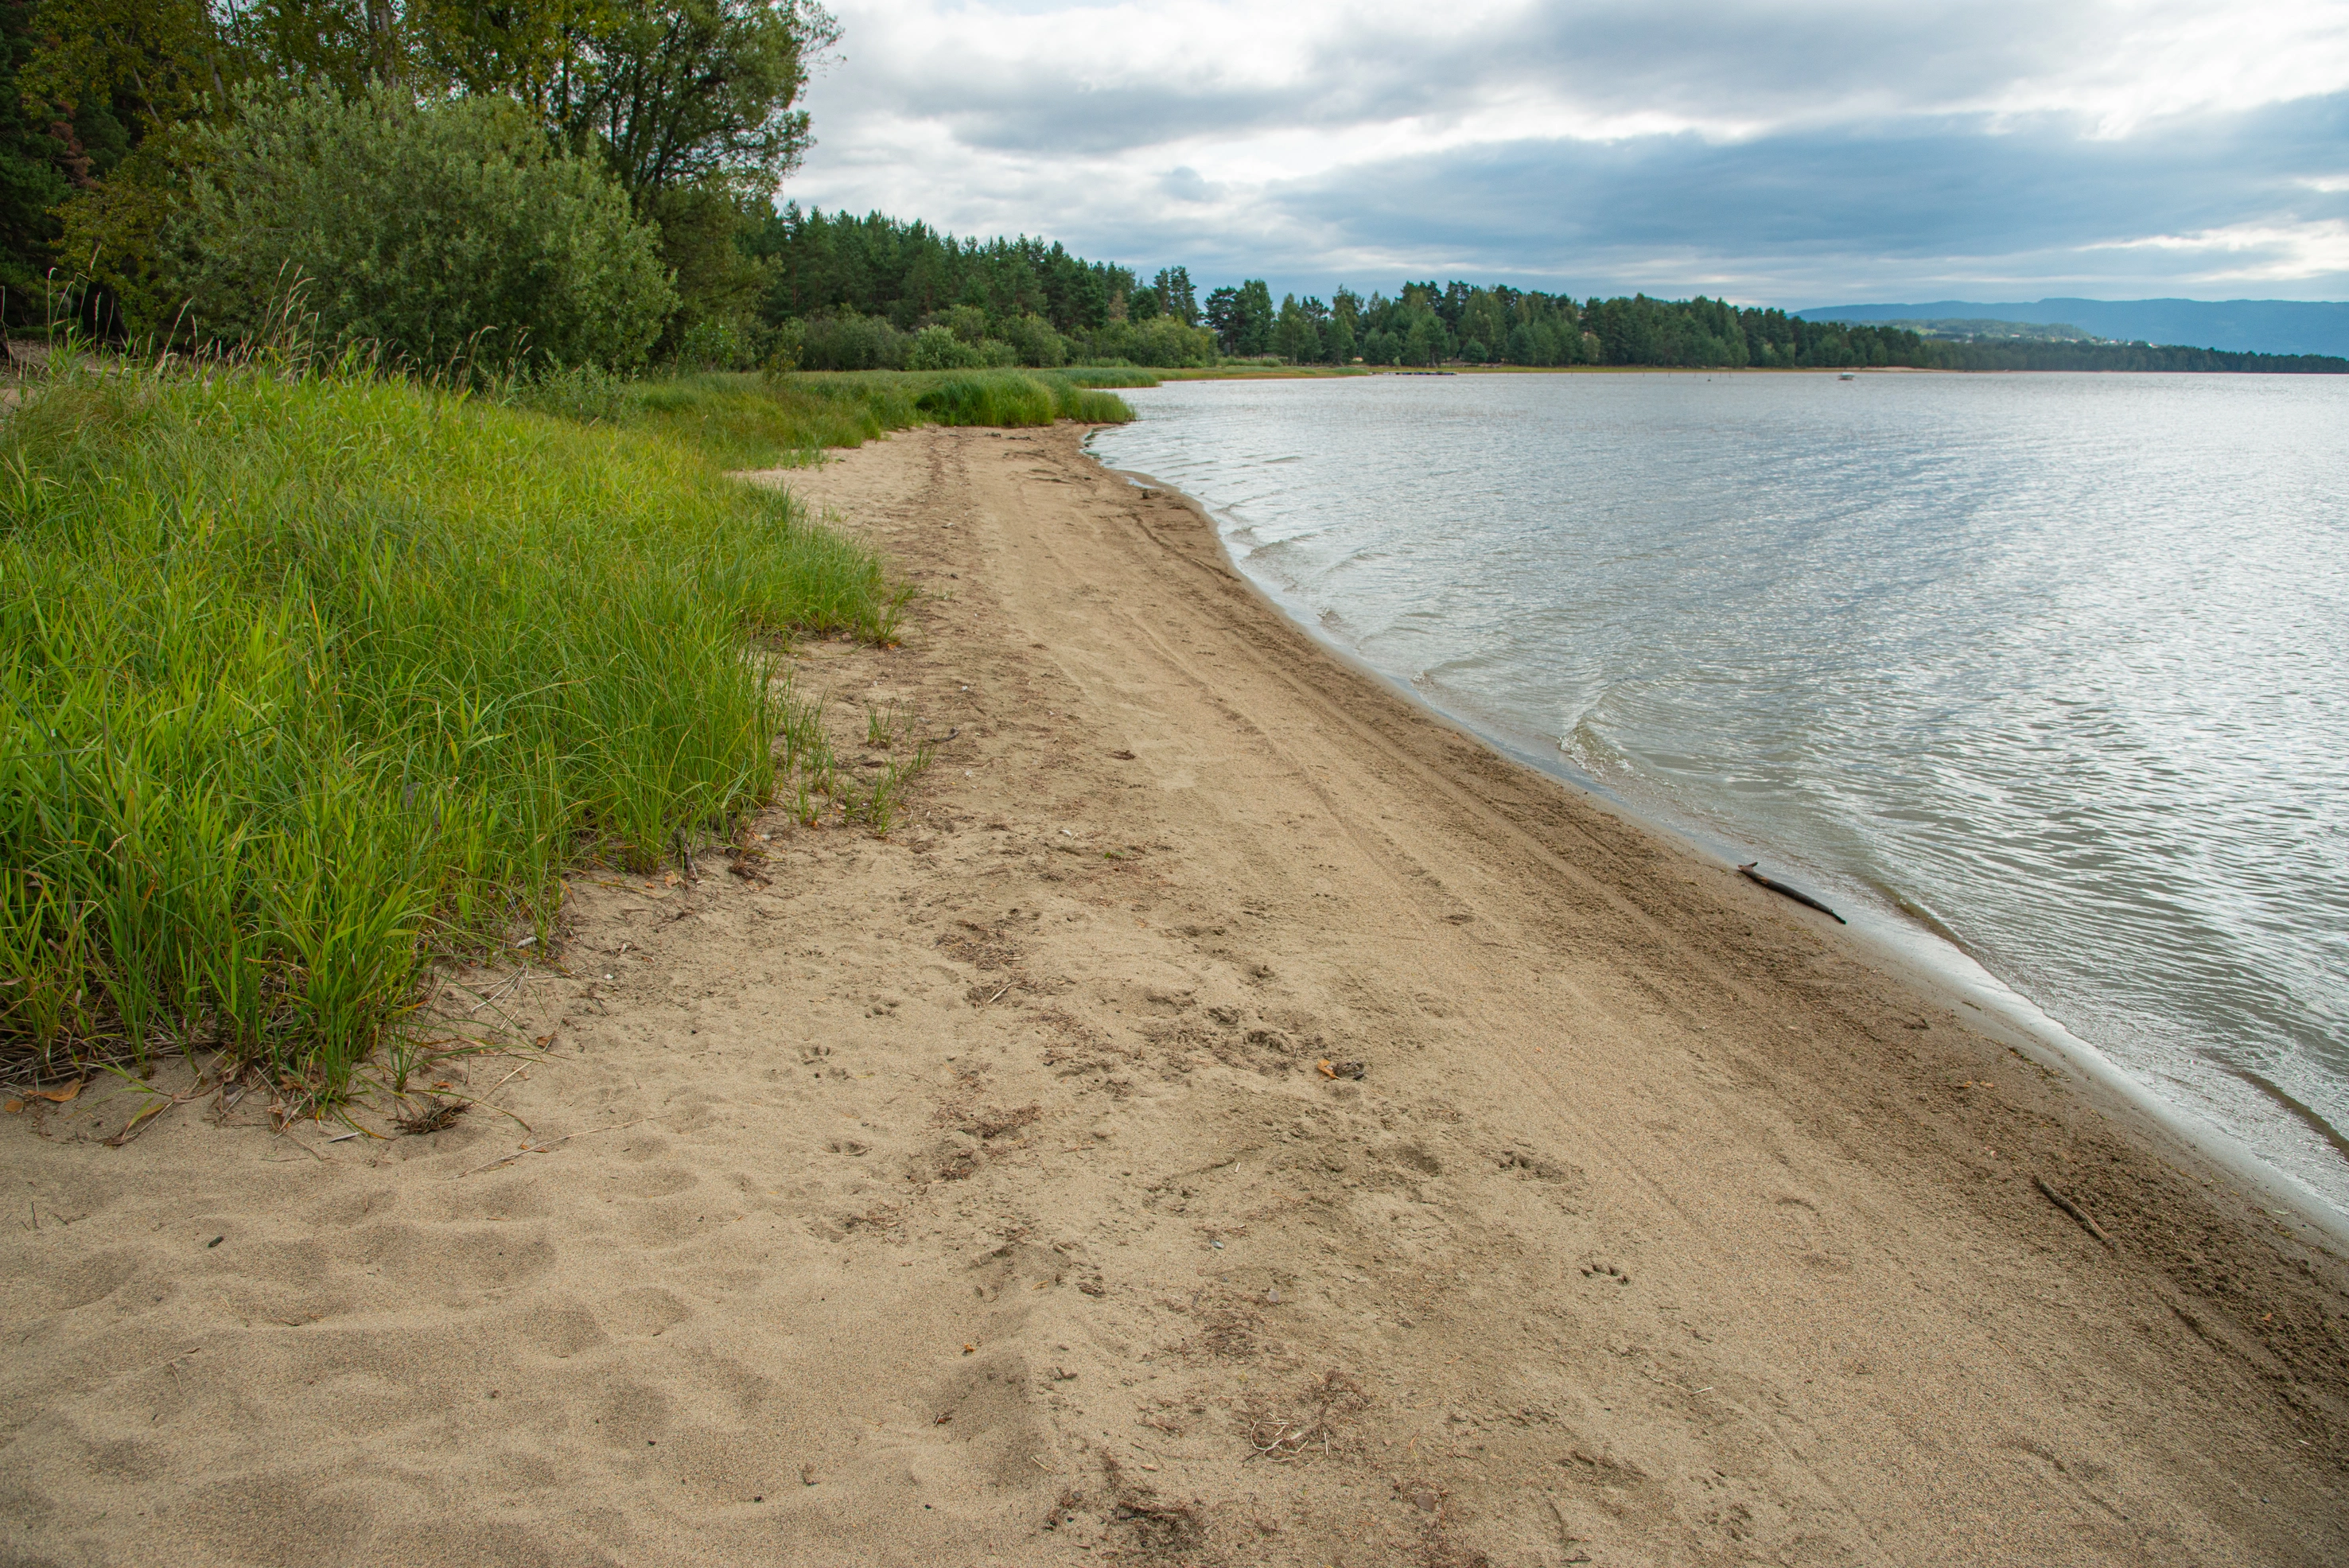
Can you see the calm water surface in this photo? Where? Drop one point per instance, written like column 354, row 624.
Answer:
column 2055, row 667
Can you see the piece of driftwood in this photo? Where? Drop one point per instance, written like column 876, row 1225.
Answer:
column 2074, row 1209
column 1796, row 894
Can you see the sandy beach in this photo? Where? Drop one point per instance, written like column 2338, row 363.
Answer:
column 1233, row 1118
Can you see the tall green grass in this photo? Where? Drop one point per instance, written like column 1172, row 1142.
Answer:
column 742, row 421
column 305, row 680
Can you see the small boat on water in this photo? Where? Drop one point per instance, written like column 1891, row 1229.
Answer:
column 1847, row 376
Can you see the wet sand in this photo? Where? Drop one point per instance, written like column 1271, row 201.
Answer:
column 979, row 1196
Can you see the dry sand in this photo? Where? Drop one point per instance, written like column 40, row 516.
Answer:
column 975, row 1196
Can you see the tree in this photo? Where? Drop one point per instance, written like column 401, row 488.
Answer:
column 1341, row 341
column 540, row 53
column 1176, row 298
column 1295, row 338
column 1255, row 317
column 42, row 156
column 350, row 45
column 1223, row 318
column 151, row 62
column 1424, row 341
column 1241, row 318
column 695, row 92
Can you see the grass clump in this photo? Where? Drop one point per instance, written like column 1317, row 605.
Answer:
column 1012, row 397
column 742, row 421
column 303, row 680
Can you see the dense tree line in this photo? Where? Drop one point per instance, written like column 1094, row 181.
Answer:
column 1425, row 325
column 846, row 292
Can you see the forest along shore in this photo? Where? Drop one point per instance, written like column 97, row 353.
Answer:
column 1233, row 1119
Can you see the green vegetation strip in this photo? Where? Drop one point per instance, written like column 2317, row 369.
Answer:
column 305, row 680
column 742, row 421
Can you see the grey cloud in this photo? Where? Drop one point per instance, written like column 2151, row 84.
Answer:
column 1786, row 216
column 1699, row 60
column 1186, row 184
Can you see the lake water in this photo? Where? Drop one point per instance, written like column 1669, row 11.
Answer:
column 2053, row 668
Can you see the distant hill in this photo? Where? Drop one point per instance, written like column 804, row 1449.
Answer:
column 2255, row 325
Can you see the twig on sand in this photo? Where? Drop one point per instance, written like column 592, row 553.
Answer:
column 549, row 1146
column 2074, row 1209
column 508, row 1078
column 286, row 1132
column 156, row 1107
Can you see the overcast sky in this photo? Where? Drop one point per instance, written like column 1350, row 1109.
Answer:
column 1774, row 151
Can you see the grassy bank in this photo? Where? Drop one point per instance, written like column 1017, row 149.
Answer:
column 303, row 681
column 744, row 421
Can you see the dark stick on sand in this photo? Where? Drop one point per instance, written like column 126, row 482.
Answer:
column 2074, row 1209
column 1796, row 894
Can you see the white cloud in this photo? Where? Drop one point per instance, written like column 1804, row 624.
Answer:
column 2255, row 253
column 1232, row 135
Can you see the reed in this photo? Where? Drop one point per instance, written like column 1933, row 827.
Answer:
column 306, row 678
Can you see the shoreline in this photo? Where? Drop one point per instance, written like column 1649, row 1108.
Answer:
column 1235, row 1119
column 1933, row 960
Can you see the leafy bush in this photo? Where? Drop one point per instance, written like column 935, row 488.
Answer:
column 1034, row 342
column 968, row 322
column 939, row 349
column 1162, row 341
column 433, row 232
column 848, row 341
column 718, row 343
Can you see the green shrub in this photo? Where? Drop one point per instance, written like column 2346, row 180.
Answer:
column 1161, row 341
column 848, row 341
column 301, row 682
column 1035, row 343
column 718, row 343
column 968, row 322
column 939, row 348
column 435, row 232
